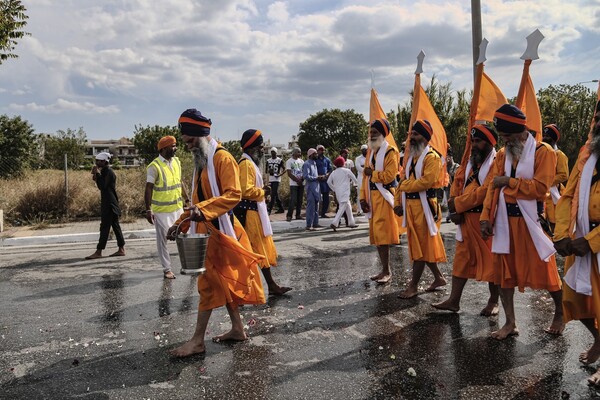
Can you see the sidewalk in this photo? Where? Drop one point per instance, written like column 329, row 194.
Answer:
column 88, row 231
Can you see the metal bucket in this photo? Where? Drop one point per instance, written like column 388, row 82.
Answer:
column 192, row 252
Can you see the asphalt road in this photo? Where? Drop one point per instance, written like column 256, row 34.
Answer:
column 101, row 329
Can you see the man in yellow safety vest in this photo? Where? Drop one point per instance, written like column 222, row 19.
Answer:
column 164, row 197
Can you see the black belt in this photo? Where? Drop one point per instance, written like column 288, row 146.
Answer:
column 430, row 193
column 388, row 186
column 513, row 209
column 247, row 205
column 477, row 209
column 594, row 224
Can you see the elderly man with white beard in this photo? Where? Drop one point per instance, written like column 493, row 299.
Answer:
column 377, row 197
column 522, row 253
column 231, row 276
column 577, row 235
column 416, row 199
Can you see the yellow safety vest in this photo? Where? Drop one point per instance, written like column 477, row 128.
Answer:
column 166, row 195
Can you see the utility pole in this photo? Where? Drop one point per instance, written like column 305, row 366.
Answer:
column 476, row 32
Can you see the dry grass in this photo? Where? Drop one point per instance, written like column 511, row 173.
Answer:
column 39, row 197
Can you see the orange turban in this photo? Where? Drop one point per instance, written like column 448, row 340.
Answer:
column 166, row 142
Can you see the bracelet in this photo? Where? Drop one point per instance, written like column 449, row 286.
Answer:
column 148, row 210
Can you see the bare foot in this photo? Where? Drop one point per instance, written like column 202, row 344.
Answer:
column 490, row 310
column 591, row 355
column 409, row 293
column 169, row 275
column 118, row 253
column 594, row 379
column 384, row 279
column 447, row 306
column 231, row 336
column 557, row 326
column 94, row 256
column 506, row 331
column 188, row 349
column 279, row 290
column 377, row 277
column 436, row 284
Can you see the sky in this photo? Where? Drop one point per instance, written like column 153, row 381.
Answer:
column 108, row 66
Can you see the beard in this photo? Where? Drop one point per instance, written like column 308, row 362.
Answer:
column 595, row 142
column 201, row 154
column 375, row 144
column 416, row 148
column 515, row 149
column 479, row 156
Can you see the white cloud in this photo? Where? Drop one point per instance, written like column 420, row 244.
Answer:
column 277, row 12
column 62, row 106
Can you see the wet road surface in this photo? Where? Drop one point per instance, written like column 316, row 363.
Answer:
column 101, row 329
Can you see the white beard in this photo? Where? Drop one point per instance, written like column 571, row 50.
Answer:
column 417, row 149
column 515, row 149
column 375, row 145
column 595, row 143
column 201, row 154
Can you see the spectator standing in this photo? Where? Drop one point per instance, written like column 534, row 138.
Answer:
column 275, row 168
column 313, row 189
column 324, row 168
column 359, row 165
column 293, row 166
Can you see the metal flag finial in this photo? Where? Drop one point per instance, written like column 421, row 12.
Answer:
column 420, row 59
column 372, row 79
column 533, row 42
column 482, row 50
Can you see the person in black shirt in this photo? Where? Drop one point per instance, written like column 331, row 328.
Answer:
column 105, row 179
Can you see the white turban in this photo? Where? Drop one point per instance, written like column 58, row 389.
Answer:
column 104, row 156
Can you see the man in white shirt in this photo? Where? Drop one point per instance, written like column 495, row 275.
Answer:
column 348, row 163
column 359, row 164
column 275, row 168
column 293, row 166
column 340, row 182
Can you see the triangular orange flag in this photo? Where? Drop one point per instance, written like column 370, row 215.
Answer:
column 376, row 112
column 527, row 102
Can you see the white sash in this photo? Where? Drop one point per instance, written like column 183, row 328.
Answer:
column 578, row 276
column 501, row 238
column 422, row 194
column 261, row 205
column 379, row 165
column 555, row 194
column 224, row 222
column 483, row 173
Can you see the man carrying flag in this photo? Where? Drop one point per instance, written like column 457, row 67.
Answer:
column 473, row 257
column 551, row 136
column 377, row 196
column 416, row 199
column 577, row 236
column 522, row 254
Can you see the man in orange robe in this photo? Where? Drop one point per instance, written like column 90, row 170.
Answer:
column 473, row 257
column 377, row 196
column 231, row 276
column 252, row 211
column 416, row 199
column 578, row 205
column 522, row 254
column 551, row 136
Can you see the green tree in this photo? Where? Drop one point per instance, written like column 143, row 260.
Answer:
column 233, row 146
column 570, row 107
column 145, row 140
column 18, row 145
column 12, row 20
column 70, row 142
column 335, row 129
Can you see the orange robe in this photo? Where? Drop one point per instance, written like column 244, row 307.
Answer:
column 261, row 244
column 231, row 274
column 522, row 267
column 577, row 305
column 473, row 256
column 562, row 175
column 383, row 229
column 421, row 245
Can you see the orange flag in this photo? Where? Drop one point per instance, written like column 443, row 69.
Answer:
column 527, row 102
column 422, row 109
column 375, row 112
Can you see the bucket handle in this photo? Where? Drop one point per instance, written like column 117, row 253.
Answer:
column 209, row 227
